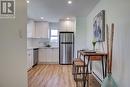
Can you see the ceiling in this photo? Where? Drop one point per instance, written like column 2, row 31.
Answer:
column 53, row 10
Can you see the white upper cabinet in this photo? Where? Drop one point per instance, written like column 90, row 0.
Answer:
column 67, row 25
column 30, row 29
column 37, row 29
column 41, row 29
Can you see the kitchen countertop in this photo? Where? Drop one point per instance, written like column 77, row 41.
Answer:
column 48, row 47
column 30, row 48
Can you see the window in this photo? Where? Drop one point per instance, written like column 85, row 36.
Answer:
column 54, row 32
column 54, row 35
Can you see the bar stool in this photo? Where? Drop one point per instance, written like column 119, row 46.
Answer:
column 78, row 59
column 80, row 71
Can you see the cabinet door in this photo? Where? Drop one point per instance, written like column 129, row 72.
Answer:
column 42, row 29
column 67, row 25
column 49, row 55
column 30, row 29
column 55, row 55
column 42, row 55
column 29, row 59
column 45, row 30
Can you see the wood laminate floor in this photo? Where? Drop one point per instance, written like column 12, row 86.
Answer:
column 54, row 76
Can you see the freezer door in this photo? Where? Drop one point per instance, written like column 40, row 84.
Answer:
column 69, row 53
column 69, row 37
column 62, row 37
column 62, row 54
column 66, row 53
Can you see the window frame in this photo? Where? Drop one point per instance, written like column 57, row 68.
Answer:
column 54, row 35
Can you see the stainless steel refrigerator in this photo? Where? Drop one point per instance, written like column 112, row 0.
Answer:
column 66, row 47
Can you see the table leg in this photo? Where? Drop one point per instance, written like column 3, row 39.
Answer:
column 88, row 62
column 90, row 67
column 103, row 67
column 106, row 66
column 84, row 77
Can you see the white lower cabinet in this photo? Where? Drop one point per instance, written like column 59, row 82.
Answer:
column 49, row 55
column 55, row 55
column 29, row 58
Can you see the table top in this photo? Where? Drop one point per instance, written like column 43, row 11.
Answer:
column 92, row 53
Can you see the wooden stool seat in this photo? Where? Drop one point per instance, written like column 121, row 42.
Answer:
column 80, row 78
column 79, row 63
column 77, row 60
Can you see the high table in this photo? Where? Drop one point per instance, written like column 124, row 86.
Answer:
column 94, row 56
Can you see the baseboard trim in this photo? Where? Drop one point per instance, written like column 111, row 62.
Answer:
column 48, row 63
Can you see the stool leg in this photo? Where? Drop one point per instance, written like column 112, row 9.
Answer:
column 84, row 77
column 74, row 73
column 76, row 84
column 87, row 78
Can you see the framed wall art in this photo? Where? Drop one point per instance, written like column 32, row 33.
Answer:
column 99, row 27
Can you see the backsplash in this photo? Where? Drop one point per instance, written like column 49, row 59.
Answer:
column 40, row 42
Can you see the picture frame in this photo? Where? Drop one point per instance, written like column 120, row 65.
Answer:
column 99, row 27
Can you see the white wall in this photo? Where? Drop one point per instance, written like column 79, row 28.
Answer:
column 80, row 35
column 13, row 57
column 117, row 12
column 29, row 43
